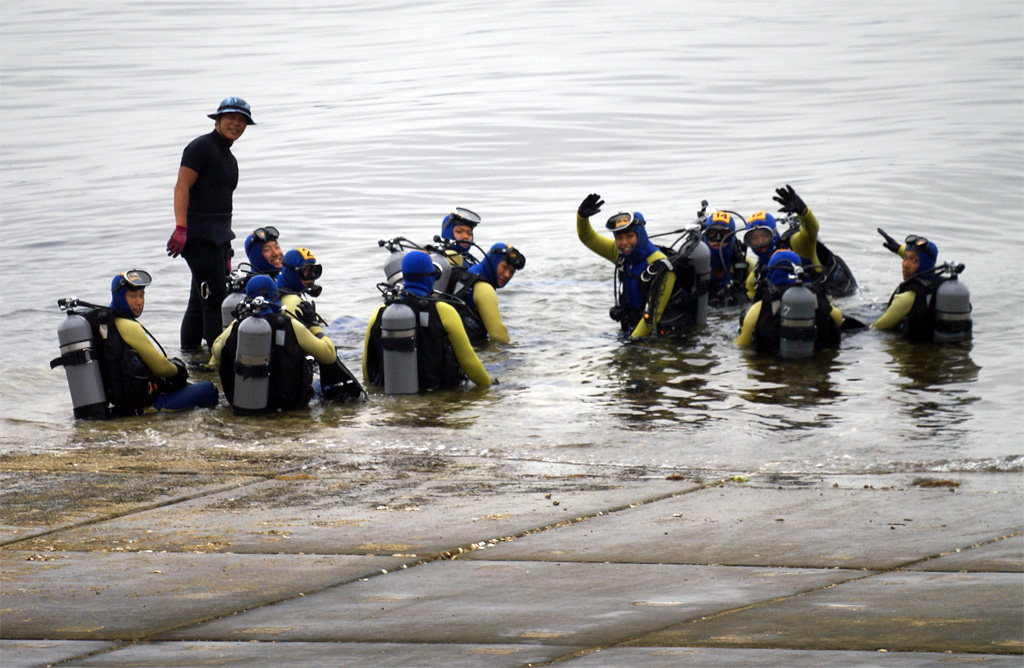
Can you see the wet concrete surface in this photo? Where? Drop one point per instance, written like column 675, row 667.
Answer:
column 118, row 558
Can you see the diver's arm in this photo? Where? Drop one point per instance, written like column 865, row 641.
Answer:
column 899, row 308
column 135, row 336
column 746, row 337
column 366, row 340
column 603, row 246
column 751, row 283
column 468, row 360
column 321, row 348
column 805, row 242
column 485, row 298
column 218, row 345
column 837, row 316
column 290, row 303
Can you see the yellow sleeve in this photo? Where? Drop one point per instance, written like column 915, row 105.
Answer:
column 454, row 258
column 218, row 345
column 897, row 311
column 805, row 242
column 746, row 337
column 366, row 340
column 485, row 298
column 643, row 328
column 603, row 246
column 321, row 348
column 468, row 360
column 837, row 316
column 290, row 303
column 135, row 336
column 751, row 284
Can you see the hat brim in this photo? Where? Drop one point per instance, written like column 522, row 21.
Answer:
column 221, row 112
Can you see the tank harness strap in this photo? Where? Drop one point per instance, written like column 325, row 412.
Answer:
column 244, row 369
column 80, row 356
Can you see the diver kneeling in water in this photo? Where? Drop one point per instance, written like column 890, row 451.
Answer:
column 415, row 342
column 931, row 304
column 729, row 265
column 262, row 354
column 762, row 237
column 133, row 373
column 790, row 317
column 476, row 296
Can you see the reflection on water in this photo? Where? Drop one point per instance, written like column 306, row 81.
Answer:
column 794, row 385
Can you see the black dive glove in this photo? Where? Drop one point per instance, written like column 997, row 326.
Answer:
column 590, row 205
column 307, row 314
column 180, row 379
column 790, row 201
column 890, row 243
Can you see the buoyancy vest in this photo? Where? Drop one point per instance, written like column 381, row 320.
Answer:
column 460, row 285
column 919, row 324
column 291, row 371
column 767, row 330
column 728, row 287
column 436, row 363
column 127, row 381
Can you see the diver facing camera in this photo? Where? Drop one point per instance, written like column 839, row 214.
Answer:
column 458, row 228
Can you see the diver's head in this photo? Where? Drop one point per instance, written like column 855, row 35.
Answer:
column 719, row 228
column 500, row 265
column 419, row 273
column 781, row 267
column 265, row 287
column 630, row 230
column 263, row 251
column 919, row 256
column 458, row 226
column 761, row 234
column 128, row 292
column 299, row 271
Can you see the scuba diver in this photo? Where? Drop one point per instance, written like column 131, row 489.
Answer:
column 790, row 317
column 476, row 293
column 640, row 304
column 109, row 357
column 763, row 238
column 457, row 228
column 931, row 304
column 268, row 348
column 729, row 265
column 416, row 342
column 296, row 283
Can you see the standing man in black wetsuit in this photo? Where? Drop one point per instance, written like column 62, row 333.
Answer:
column 202, row 216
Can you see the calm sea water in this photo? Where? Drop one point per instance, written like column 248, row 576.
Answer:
column 376, row 118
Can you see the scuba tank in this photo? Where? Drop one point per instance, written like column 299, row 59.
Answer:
column 393, row 267
column 700, row 257
column 796, row 334
column 79, row 359
column 234, row 297
column 952, row 309
column 252, row 365
column 398, row 341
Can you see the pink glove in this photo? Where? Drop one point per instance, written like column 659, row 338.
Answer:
column 176, row 243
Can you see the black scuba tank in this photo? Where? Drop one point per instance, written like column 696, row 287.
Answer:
column 252, row 366
column 797, row 331
column 81, row 365
column 398, row 343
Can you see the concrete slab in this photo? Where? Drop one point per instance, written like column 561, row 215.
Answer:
column 1005, row 555
column 514, row 602
column 417, row 507
column 34, row 502
column 701, row 657
column 898, row 611
column 39, row 653
column 321, row 655
column 124, row 596
column 738, row 524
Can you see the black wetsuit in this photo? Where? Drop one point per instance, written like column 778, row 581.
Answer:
column 208, row 244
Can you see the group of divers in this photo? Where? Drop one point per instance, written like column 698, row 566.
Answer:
column 440, row 301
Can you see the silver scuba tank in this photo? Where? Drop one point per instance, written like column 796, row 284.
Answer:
column 78, row 357
column 444, row 267
column 701, row 259
column 398, row 341
column 796, row 334
column 952, row 311
column 227, row 307
column 252, row 365
column 393, row 267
